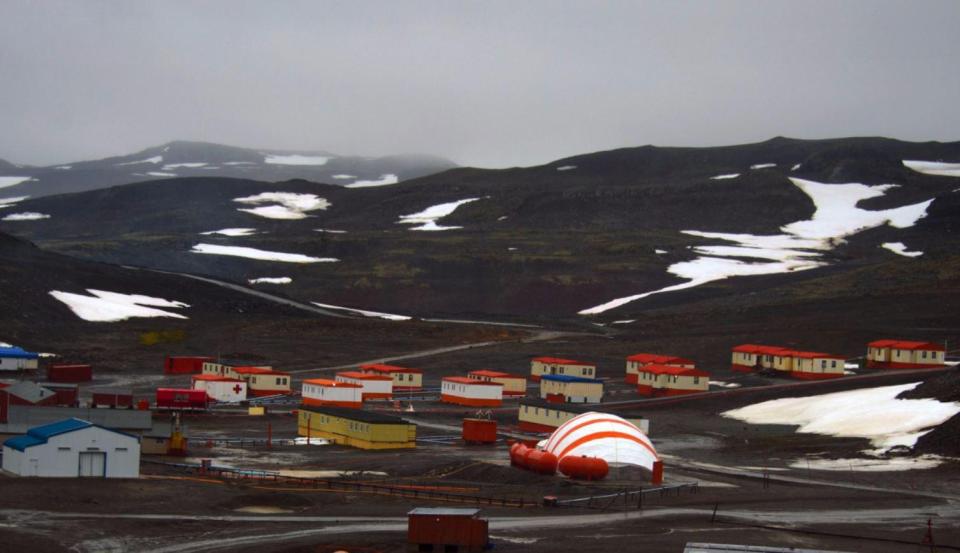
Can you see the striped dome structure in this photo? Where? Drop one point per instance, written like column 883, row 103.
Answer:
column 602, row 435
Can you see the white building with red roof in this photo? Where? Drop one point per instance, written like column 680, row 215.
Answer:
column 905, row 354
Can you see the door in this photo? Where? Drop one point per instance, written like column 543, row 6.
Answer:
column 93, row 464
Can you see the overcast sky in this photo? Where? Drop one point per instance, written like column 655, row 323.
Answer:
column 487, row 83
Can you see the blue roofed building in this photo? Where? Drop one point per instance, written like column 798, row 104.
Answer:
column 73, row 448
column 13, row 358
column 562, row 388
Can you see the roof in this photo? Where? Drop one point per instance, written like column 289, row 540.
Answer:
column 561, row 361
column 609, row 437
column 71, row 366
column 816, row 355
column 256, row 370
column 40, row 434
column 17, row 353
column 906, row 344
column 470, row 381
column 671, row 370
column 204, row 357
column 28, row 391
column 569, row 378
column 444, row 511
column 114, row 391
column 362, row 376
column 562, row 407
column 331, row 383
column 494, row 374
column 754, row 348
column 379, row 367
column 354, row 414
column 658, row 359
column 215, row 378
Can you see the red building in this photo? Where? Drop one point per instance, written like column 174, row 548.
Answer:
column 113, row 398
column 404, row 379
column 70, row 373
column 751, row 357
column 184, row 364
column 182, row 399
column 29, row 393
column 446, row 529
column 638, row 360
column 664, row 380
column 904, row 354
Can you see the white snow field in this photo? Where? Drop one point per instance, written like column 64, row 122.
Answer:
column 329, row 231
column 270, row 280
column 7, row 202
column 190, row 165
column 763, row 165
column 232, row 231
column 161, row 174
column 933, row 167
column 155, row 160
column 12, row 181
column 725, row 177
column 254, row 253
column 427, row 219
column 344, row 177
column 872, row 413
column 795, row 167
column 101, row 306
column 63, row 168
column 384, row 180
column 900, row 248
column 285, row 205
column 800, row 247
column 295, row 159
column 869, row 465
column 365, row 313
column 566, row 167
column 25, row 216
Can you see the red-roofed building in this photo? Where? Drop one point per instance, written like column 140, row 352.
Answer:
column 513, row 384
column 638, row 360
column 220, row 388
column 323, row 391
column 461, row 390
column 404, row 379
column 665, row 380
column 905, row 354
column 812, row 365
column 752, row 357
column 541, row 366
column 374, row 386
column 184, row 364
column 262, row 382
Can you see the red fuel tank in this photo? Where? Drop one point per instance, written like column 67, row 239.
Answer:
column 584, row 468
column 541, row 462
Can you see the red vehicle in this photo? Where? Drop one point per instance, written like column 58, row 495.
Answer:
column 182, row 399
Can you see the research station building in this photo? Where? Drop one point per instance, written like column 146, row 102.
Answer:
column 356, row 428
column 561, row 388
column 73, row 448
column 904, row 354
column 542, row 366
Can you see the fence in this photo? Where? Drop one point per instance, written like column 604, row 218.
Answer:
column 626, row 499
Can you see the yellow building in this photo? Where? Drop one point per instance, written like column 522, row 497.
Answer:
column 356, row 428
column 570, row 389
column 537, row 415
column 542, row 366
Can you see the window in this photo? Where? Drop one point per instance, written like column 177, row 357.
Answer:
column 924, row 355
column 823, row 364
column 696, row 380
column 63, row 449
column 834, row 364
column 120, row 449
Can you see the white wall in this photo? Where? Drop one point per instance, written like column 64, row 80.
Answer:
column 60, row 456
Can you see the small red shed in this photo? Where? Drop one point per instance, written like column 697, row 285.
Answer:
column 70, row 373
column 67, row 395
column 446, row 529
column 185, row 364
column 479, row 431
column 182, row 399
column 113, row 398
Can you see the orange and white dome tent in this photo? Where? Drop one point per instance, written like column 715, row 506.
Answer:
column 606, row 436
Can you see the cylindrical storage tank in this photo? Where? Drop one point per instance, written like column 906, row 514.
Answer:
column 514, row 455
column 584, row 468
column 479, row 431
column 542, row 462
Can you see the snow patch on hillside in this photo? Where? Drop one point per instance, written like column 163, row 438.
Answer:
column 427, row 219
column 7, row 202
column 384, row 180
column 869, row 465
column 872, row 413
column 799, row 248
column 254, row 253
column 270, row 280
column 365, row 313
column 795, row 167
column 725, row 177
column 763, row 165
column 102, row 306
column 232, row 232
column 12, row 181
column 63, row 168
column 161, row 174
column 190, row 165
column 900, row 248
column 25, row 216
column 295, row 159
column 154, row 160
column 566, row 167
column 329, row 231
column 286, row 205
column 934, row 167
column 344, row 177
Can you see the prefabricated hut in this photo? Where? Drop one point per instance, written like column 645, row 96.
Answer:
column 513, row 385
column 461, row 390
column 752, row 357
column 904, row 354
column 541, row 366
column 373, row 386
column 184, row 364
column 356, row 427
column 663, row 380
column 537, row 415
column 561, row 388
column 73, row 448
column 262, row 381
column 25, row 392
column 220, row 388
column 323, row 392
column 638, row 360
column 447, row 529
column 13, row 358
column 178, row 399
column 113, row 398
column 219, row 368
column 811, row 365
column 404, row 379
column 70, row 373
